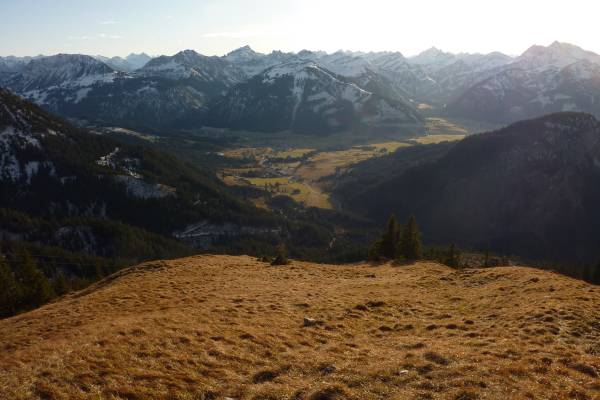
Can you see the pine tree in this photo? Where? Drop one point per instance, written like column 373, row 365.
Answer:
column 375, row 251
column 61, row 286
column 387, row 245
column 453, row 257
column 596, row 274
column 486, row 261
column 9, row 291
column 410, row 244
column 35, row 287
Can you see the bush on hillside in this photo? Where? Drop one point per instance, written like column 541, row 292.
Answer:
column 281, row 256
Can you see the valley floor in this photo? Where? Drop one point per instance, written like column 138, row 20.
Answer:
column 304, row 167
column 211, row 327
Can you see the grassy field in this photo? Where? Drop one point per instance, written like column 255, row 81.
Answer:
column 433, row 139
column 299, row 179
column 261, row 152
column 323, row 157
column 299, row 191
column 212, row 327
column 442, row 126
column 328, row 163
column 293, row 153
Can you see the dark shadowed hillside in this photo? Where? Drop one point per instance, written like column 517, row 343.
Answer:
column 530, row 189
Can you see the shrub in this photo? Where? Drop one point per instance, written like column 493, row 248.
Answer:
column 281, row 256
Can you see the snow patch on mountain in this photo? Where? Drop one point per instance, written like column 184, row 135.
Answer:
column 143, row 190
column 12, row 141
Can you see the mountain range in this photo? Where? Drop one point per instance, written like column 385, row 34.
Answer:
column 126, row 64
column 189, row 89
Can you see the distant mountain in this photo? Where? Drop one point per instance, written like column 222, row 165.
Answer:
column 11, row 65
column 137, row 61
column 433, row 58
column 406, row 78
column 560, row 77
column 170, row 89
column 558, row 55
column 190, row 65
column 85, row 88
column 253, row 63
column 345, row 64
column 304, row 97
column 445, row 76
column 60, row 72
column 243, row 54
column 530, row 189
column 128, row 64
column 56, row 82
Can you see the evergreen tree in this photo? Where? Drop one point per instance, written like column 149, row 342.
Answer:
column 453, row 257
column 375, row 251
column 387, row 245
column 61, row 286
column 410, row 244
column 35, row 287
column 391, row 238
column 9, row 291
column 596, row 274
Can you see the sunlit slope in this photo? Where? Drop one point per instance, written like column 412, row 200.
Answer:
column 212, row 327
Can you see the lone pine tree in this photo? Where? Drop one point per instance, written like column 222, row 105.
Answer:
column 410, row 243
column 387, row 245
column 453, row 257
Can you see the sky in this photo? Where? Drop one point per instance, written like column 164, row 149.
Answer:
column 215, row 27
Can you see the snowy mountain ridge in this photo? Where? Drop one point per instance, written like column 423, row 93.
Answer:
column 557, row 77
column 303, row 96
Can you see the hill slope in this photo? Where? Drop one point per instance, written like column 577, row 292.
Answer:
column 529, row 189
column 216, row 326
column 81, row 183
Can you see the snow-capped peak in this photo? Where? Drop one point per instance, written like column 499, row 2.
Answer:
column 557, row 55
column 242, row 54
column 346, row 64
column 138, row 60
column 73, row 70
column 288, row 69
column 433, row 55
column 190, row 64
column 390, row 61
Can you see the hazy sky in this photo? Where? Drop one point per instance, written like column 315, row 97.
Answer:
column 119, row 27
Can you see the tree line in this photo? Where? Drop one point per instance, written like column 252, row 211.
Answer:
column 404, row 243
column 29, row 279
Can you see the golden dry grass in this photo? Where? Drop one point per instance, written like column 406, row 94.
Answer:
column 442, row 126
column 434, row 139
column 211, row 327
column 301, row 180
column 262, row 152
column 299, row 191
column 327, row 163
